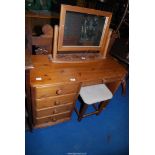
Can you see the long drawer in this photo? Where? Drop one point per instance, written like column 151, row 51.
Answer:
column 47, row 91
column 53, row 118
column 54, row 101
column 56, row 110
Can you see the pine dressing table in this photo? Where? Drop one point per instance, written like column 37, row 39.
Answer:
column 79, row 59
column 55, row 87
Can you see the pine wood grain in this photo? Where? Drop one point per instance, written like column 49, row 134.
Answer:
column 61, row 82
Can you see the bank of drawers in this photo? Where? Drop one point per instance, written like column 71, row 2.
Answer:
column 54, row 104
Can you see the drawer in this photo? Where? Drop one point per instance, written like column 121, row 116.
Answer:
column 93, row 82
column 54, row 101
column 53, row 118
column 57, row 90
column 53, row 111
column 107, row 80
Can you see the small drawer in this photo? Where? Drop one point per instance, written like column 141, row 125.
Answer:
column 53, row 118
column 53, row 111
column 93, row 82
column 54, row 101
column 57, row 90
column 107, row 80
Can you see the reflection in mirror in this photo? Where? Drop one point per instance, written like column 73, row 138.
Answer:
column 82, row 29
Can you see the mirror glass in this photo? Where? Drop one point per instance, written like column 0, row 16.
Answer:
column 82, row 29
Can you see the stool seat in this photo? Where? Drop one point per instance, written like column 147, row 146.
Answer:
column 95, row 93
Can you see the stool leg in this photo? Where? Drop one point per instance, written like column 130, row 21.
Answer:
column 101, row 106
column 83, row 108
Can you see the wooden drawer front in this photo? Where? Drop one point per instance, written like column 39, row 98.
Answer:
column 52, row 111
column 53, row 118
column 43, row 92
column 94, row 82
column 54, row 101
column 112, row 79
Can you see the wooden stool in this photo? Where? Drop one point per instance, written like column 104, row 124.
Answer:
column 90, row 95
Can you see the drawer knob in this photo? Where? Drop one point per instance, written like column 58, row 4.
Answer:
column 59, row 92
column 57, row 102
column 53, row 119
column 54, row 111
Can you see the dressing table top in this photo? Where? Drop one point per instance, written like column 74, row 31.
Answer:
column 45, row 72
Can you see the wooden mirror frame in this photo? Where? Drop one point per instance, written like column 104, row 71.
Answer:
column 102, row 44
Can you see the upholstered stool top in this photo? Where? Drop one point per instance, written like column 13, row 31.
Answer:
column 95, row 93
